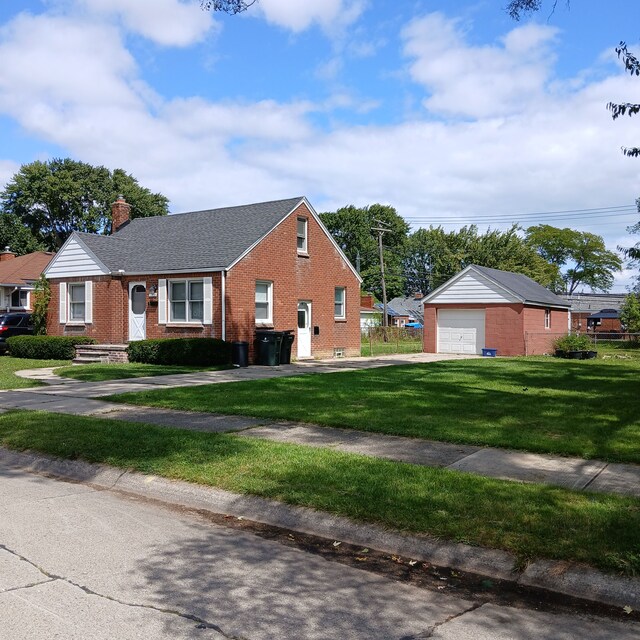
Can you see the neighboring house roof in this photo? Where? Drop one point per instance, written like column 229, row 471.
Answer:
column 593, row 302
column 523, row 288
column 25, row 269
column 209, row 240
column 605, row 314
column 390, row 311
column 408, row 306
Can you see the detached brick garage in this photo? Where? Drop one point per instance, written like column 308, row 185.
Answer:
column 487, row 308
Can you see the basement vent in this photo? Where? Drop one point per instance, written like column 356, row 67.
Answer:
column 338, row 352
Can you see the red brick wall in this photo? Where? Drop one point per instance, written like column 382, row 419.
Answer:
column 311, row 278
column 505, row 327
column 111, row 310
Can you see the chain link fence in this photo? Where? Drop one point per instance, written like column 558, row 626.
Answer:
column 377, row 341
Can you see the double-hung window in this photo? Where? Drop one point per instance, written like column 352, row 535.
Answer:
column 186, row 301
column 301, row 232
column 264, row 302
column 77, row 301
column 339, row 307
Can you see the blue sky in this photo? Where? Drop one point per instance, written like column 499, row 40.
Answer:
column 452, row 115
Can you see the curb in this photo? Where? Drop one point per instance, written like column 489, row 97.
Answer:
column 564, row 578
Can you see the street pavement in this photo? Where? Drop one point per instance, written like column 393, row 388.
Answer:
column 85, row 564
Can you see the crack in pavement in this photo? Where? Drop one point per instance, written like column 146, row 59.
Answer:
column 428, row 633
column 51, row 577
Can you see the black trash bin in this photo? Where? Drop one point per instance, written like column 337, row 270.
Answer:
column 285, row 349
column 268, row 345
column 240, row 354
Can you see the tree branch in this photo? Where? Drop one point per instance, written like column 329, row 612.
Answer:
column 231, row 7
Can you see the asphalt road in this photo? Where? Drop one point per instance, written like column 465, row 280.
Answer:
column 77, row 563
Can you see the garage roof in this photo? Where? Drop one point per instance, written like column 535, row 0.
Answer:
column 518, row 285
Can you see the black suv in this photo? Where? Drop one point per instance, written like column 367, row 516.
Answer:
column 14, row 324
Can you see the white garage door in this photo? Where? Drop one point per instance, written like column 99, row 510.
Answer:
column 460, row 331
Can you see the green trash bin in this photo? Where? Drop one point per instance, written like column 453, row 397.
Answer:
column 268, row 344
column 285, row 349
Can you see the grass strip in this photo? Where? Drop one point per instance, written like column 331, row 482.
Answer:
column 532, row 521
column 101, row 372
column 9, row 365
column 589, row 409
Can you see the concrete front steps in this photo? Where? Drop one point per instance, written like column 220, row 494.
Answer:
column 101, row 354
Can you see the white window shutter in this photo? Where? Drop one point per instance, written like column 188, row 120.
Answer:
column 88, row 301
column 63, row 303
column 208, row 296
column 162, row 301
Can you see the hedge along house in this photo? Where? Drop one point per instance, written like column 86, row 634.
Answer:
column 220, row 273
column 487, row 308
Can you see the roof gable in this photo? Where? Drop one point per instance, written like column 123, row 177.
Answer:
column 483, row 285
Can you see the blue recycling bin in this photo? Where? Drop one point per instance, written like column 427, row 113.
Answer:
column 489, row 353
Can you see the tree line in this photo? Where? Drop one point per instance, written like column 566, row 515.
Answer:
column 560, row 259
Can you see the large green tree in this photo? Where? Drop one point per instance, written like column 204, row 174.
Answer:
column 582, row 256
column 433, row 256
column 54, row 198
column 353, row 229
column 17, row 237
column 630, row 313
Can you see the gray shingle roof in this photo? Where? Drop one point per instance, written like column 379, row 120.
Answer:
column 524, row 287
column 591, row 302
column 197, row 241
column 407, row 306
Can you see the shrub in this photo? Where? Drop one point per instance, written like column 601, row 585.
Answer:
column 181, row 351
column 46, row 347
column 573, row 342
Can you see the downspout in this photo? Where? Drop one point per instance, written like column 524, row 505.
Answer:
column 223, row 325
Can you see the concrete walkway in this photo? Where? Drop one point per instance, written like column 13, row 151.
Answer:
column 77, row 398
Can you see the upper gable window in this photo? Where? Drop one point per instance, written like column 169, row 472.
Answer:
column 302, row 235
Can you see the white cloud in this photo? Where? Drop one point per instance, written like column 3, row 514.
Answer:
column 298, row 15
column 477, row 81
column 167, row 22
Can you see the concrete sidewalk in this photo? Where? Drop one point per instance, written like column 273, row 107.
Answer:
column 73, row 397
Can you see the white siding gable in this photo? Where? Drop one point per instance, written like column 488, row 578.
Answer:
column 473, row 288
column 73, row 260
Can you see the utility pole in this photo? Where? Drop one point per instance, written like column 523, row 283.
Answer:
column 381, row 230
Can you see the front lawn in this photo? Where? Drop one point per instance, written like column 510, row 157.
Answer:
column 100, row 372
column 9, row 365
column 532, row 521
column 589, row 409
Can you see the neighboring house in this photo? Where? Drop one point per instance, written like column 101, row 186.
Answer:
column 369, row 315
column 595, row 312
column 18, row 276
column 407, row 309
column 487, row 308
column 220, row 273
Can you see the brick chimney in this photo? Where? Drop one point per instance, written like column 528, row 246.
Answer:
column 417, row 295
column 120, row 210
column 6, row 255
column 366, row 302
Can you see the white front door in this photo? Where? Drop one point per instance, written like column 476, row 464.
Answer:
column 137, row 311
column 304, row 329
column 461, row 331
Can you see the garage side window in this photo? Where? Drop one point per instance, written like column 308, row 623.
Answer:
column 547, row 318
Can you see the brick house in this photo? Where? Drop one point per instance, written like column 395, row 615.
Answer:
column 219, row 273
column 18, row 276
column 487, row 308
column 596, row 312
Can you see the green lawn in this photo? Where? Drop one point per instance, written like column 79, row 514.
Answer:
column 9, row 365
column 530, row 520
column 586, row 408
column 100, row 372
